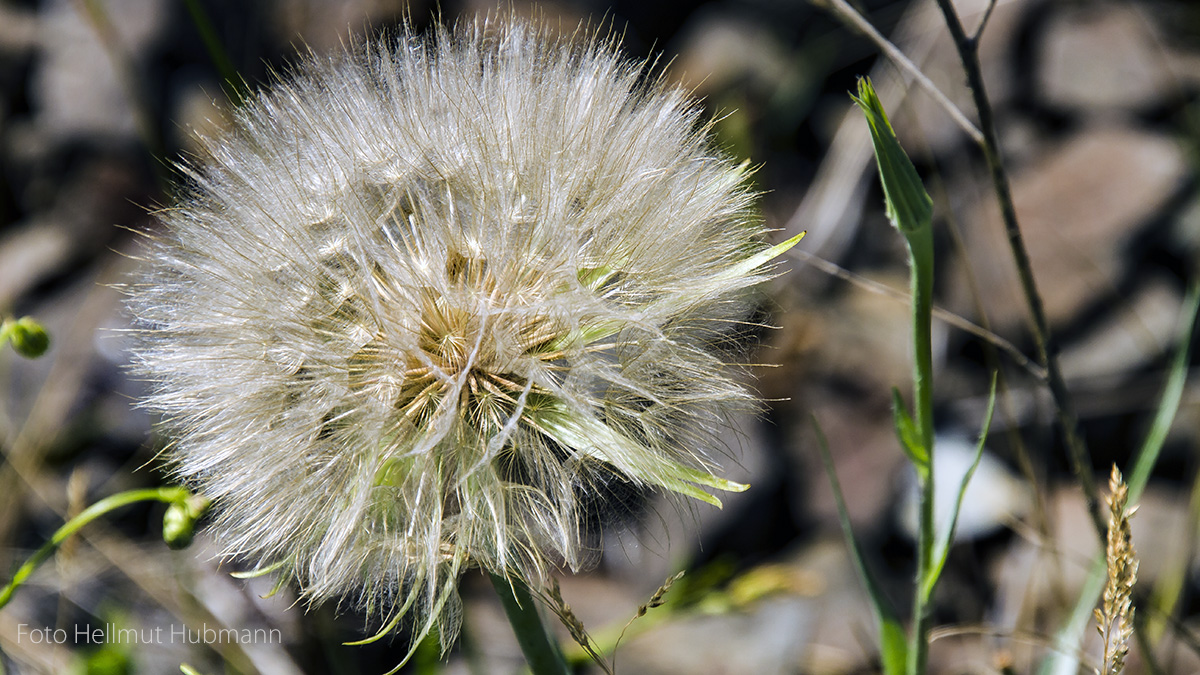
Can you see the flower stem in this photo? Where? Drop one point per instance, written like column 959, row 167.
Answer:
column 540, row 649
column 920, row 245
column 165, row 494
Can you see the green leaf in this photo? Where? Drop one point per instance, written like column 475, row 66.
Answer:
column 595, row 277
column 745, row 267
column 1168, row 407
column 909, row 206
column 893, row 650
column 906, row 432
column 941, row 549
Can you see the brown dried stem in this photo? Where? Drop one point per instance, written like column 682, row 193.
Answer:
column 1047, row 349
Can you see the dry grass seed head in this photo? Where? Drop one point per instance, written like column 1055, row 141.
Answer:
column 1114, row 618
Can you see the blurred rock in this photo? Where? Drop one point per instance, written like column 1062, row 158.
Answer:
column 809, row 629
column 866, row 454
column 994, row 496
column 1077, row 206
column 29, row 254
column 18, row 30
column 1101, row 58
column 838, row 363
column 864, row 332
column 486, row 627
column 324, row 26
column 197, row 114
column 78, row 226
column 717, row 51
column 663, row 533
column 77, row 88
column 767, row 640
column 1139, row 328
column 1185, row 230
column 1033, row 577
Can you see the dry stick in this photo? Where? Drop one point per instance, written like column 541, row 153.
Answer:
column 950, row 318
column 992, row 358
column 968, row 52
column 858, row 22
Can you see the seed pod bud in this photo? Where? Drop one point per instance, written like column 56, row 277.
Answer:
column 28, row 337
column 179, row 522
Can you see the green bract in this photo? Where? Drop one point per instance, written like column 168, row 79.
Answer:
column 909, row 206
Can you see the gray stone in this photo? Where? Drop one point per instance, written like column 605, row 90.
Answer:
column 77, row 87
column 1101, row 58
column 1077, row 207
column 1138, row 329
column 994, row 496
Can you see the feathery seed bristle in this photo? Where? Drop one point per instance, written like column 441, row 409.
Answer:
column 426, row 295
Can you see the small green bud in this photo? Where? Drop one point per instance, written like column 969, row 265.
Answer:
column 28, row 337
column 179, row 522
column 909, row 206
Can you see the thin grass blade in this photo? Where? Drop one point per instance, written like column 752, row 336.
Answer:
column 893, row 649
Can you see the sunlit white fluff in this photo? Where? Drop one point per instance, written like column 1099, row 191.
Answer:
column 429, row 296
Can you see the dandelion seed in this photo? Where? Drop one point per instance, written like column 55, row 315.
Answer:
column 429, row 297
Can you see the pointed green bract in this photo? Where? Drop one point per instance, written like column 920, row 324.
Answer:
column 909, row 206
column 590, row 437
column 594, row 278
column 910, row 209
column 747, row 266
column 906, row 431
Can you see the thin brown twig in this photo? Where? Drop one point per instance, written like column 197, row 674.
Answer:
column 987, row 14
column 857, row 21
column 1047, row 349
column 1023, row 459
column 940, row 313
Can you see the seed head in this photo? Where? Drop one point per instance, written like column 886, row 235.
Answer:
column 429, row 297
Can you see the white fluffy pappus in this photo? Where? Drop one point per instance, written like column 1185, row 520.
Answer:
column 426, row 297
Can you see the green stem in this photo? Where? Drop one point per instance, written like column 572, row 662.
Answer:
column 910, row 209
column 166, row 494
column 920, row 247
column 540, row 649
column 968, row 51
